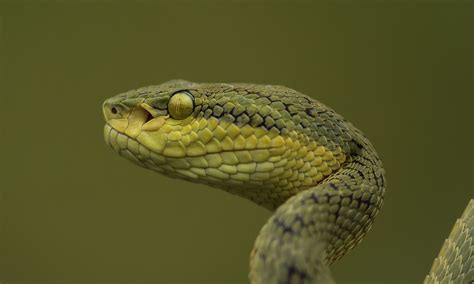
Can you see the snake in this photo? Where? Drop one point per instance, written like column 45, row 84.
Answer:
column 315, row 171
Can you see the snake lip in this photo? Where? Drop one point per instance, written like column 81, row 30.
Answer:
column 120, row 142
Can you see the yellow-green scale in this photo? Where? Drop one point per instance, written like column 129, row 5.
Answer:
column 246, row 157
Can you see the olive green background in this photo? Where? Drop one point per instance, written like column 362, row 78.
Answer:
column 72, row 211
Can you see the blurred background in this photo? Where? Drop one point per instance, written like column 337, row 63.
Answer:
column 73, row 211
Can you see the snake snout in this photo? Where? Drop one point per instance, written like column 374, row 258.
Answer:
column 110, row 110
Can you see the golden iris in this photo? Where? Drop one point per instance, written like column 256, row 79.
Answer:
column 181, row 105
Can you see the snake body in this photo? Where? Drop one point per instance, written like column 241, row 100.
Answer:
column 317, row 173
column 455, row 262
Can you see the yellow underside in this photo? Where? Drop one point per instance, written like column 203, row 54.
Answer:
column 223, row 154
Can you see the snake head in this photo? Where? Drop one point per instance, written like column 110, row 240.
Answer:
column 151, row 120
column 239, row 137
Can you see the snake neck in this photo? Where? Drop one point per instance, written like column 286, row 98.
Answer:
column 319, row 225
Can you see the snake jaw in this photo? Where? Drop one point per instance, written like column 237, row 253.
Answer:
column 119, row 124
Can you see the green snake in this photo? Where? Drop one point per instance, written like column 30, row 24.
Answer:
column 318, row 174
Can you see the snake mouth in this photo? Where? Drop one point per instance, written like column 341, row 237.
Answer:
column 251, row 166
column 126, row 146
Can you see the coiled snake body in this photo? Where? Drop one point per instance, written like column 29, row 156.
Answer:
column 275, row 146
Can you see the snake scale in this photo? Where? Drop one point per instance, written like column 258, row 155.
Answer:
column 285, row 151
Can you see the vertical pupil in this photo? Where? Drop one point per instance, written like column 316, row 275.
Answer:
column 178, row 105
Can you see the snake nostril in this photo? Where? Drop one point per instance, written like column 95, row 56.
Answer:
column 113, row 110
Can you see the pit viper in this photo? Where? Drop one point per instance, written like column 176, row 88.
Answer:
column 319, row 175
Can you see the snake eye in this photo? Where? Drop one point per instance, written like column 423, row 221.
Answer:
column 181, row 105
